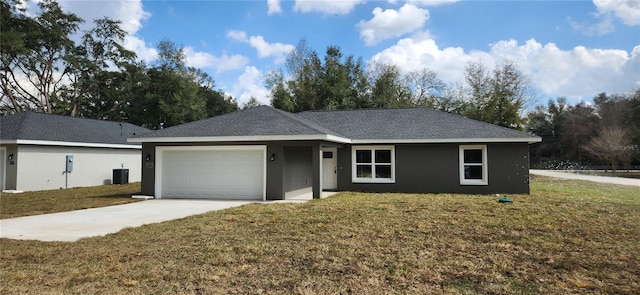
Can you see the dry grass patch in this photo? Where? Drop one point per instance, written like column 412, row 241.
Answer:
column 567, row 237
column 51, row 201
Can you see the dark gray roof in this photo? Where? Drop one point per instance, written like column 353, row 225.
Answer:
column 47, row 127
column 407, row 123
column 256, row 121
column 365, row 124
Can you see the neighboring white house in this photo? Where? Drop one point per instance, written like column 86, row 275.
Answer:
column 36, row 148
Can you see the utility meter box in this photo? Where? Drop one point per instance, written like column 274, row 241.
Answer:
column 69, row 163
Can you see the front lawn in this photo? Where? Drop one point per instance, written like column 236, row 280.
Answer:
column 51, row 201
column 566, row 237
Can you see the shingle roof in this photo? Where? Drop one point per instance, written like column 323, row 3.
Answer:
column 365, row 124
column 256, row 121
column 407, row 123
column 47, row 127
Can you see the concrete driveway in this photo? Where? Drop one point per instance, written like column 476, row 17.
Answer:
column 593, row 178
column 74, row 225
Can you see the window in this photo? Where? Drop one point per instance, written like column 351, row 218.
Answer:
column 373, row 164
column 473, row 165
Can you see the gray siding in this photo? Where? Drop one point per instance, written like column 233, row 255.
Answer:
column 420, row 168
column 288, row 173
column 275, row 172
column 11, row 167
column 434, row 168
column 148, row 169
column 297, row 170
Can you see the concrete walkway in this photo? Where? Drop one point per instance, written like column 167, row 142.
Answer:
column 601, row 179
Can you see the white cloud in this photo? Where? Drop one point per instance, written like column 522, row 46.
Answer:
column 137, row 45
column 431, row 2
column 607, row 11
column 603, row 27
column 326, row 6
column 249, row 84
column 578, row 72
column 627, row 10
column 237, row 36
column 274, row 7
column 221, row 63
column 392, row 23
column 412, row 54
column 130, row 13
column 265, row 49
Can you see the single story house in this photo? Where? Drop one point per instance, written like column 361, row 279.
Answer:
column 263, row 153
column 37, row 150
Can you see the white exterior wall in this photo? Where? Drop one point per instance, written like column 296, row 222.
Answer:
column 42, row 167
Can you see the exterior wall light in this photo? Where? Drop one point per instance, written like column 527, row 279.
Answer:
column 10, row 156
column 272, row 158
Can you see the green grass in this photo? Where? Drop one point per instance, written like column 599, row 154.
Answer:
column 51, row 201
column 567, row 237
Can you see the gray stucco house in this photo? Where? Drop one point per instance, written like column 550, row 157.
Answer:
column 267, row 154
column 34, row 149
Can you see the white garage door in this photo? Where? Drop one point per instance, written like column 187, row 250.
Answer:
column 212, row 172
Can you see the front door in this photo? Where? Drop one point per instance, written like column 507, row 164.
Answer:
column 329, row 169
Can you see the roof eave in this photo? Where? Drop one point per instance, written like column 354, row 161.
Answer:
column 69, row 143
column 323, row 137
column 328, row 137
column 528, row 140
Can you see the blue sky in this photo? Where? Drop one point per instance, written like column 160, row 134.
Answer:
column 568, row 48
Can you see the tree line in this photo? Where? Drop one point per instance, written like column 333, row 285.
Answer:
column 605, row 133
column 49, row 66
column 336, row 82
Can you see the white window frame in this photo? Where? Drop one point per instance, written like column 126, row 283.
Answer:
column 373, row 149
column 484, row 164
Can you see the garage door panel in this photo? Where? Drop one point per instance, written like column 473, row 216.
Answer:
column 214, row 174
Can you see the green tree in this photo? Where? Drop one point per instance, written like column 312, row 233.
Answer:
column 497, row 97
column 426, row 88
column 342, row 82
column 14, row 26
column 173, row 88
column 633, row 122
column 253, row 102
column 95, row 66
column 177, row 94
column 305, row 88
column 578, row 125
column 35, row 56
column 546, row 122
column 614, row 110
column 120, row 95
column 388, row 87
column 310, row 83
column 281, row 98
